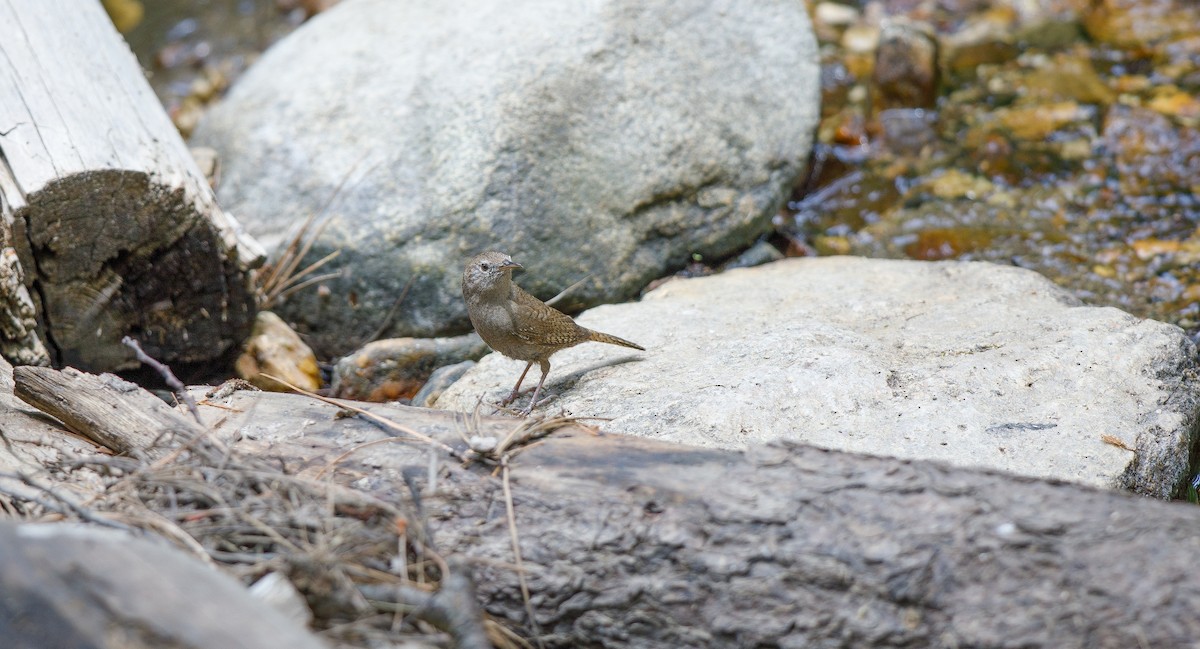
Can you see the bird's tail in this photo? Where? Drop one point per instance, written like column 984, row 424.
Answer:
column 596, row 336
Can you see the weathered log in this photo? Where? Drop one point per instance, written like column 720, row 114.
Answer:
column 19, row 340
column 633, row 543
column 106, row 409
column 30, row 443
column 114, row 227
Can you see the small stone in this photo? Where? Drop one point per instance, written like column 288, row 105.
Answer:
column 953, row 184
column 275, row 589
column 273, row 348
column 981, row 42
column 832, row 13
column 483, row 444
column 396, row 368
column 757, row 255
column 907, row 131
column 442, row 378
column 861, row 39
column 906, row 72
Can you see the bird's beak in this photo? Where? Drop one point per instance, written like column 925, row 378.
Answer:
column 508, row 263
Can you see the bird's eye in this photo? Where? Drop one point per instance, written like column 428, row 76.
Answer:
column 483, row 266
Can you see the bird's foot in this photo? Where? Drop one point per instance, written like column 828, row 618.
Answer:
column 541, row 402
column 509, row 399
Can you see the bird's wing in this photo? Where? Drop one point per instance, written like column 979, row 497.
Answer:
column 539, row 324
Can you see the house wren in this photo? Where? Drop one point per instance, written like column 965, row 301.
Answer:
column 518, row 324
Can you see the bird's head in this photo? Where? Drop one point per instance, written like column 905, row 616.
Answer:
column 488, row 271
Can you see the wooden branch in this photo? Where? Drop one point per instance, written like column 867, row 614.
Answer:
column 114, row 226
column 108, row 410
column 452, row 608
column 631, row 542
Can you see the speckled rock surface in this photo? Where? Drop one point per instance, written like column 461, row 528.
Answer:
column 612, row 139
column 971, row 363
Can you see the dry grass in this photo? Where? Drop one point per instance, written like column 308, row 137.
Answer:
column 366, row 568
column 282, row 275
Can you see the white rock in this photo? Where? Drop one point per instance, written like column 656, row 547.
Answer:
column 970, row 363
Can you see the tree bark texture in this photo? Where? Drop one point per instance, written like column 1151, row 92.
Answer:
column 633, row 543
column 113, row 227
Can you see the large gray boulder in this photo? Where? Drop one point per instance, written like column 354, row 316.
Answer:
column 612, row 138
column 971, row 363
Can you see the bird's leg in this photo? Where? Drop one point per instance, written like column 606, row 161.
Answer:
column 516, row 388
column 538, row 390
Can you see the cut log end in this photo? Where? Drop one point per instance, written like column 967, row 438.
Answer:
column 116, row 230
column 112, row 253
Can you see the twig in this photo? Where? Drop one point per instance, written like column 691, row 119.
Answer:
column 387, row 319
column 212, row 404
column 563, row 293
column 307, row 283
column 528, row 430
column 1116, row 441
column 373, row 417
column 454, row 608
column 281, row 277
column 152, row 520
column 175, row 384
column 282, row 270
column 229, row 387
column 516, row 546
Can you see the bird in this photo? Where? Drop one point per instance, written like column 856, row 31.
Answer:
column 517, row 324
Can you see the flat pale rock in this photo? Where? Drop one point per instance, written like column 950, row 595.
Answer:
column 971, row 363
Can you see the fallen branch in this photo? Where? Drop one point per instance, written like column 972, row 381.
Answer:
column 168, row 376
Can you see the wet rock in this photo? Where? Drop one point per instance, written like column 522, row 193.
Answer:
column 1174, row 102
column 908, row 131
column 906, row 71
column 1153, row 157
column 861, row 38
column 1143, row 24
column 1065, row 77
column 614, row 139
column 396, row 368
column 1050, row 32
column 970, row 363
column 983, row 41
column 830, row 18
column 1037, row 122
column 273, row 348
column 953, row 184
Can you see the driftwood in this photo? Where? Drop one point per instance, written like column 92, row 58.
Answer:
column 144, row 427
column 108, row 227
column 29, row 443
column 633, row 543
